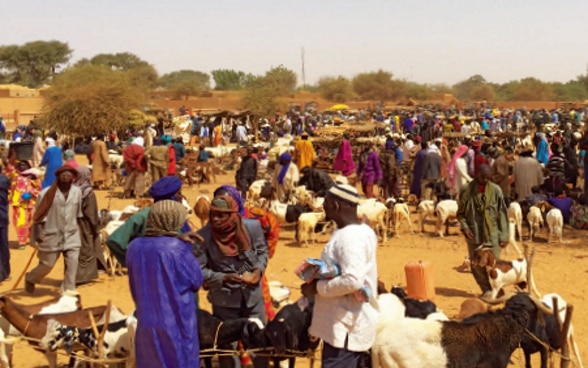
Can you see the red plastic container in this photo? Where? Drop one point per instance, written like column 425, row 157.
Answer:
column 419, row 280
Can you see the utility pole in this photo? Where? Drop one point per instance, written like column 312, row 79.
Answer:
column 303, row 72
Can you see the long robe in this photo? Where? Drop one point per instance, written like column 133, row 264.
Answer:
column 53, row 159
column 163, row 277
column 527, row 173
column 100, row 163
column 415, row 187
column 91, row 249
column 38, row 151
column 344, row 159
column 290, row 181
column 304, row 153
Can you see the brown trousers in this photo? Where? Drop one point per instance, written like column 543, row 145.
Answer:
column 135, row 181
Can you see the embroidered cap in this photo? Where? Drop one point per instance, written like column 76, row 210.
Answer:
column 345, row 192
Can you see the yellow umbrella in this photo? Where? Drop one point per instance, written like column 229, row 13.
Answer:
column 339, row 107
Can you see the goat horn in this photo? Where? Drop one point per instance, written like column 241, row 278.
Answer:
column 540, row 305
column 497, row 301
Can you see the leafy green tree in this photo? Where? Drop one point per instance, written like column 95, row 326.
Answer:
column 141, row 73
column 34, row 63
column 118, row 61
column 280, row 79
column 376, row 85
column 260, row 99
column 91, row 99
column 336, row 89
column 532, row 89
column 482, row 92
column 462, row 90
column 230, row 80
column 418, row 91
column 186, row 82
column 570, row 91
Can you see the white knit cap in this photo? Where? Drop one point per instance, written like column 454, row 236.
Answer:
column 345, row 192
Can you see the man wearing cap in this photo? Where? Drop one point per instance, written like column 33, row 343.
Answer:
column 56, row 229
column 346, row 325
column 168, row 187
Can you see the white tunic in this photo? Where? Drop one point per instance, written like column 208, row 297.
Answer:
column 337, row 314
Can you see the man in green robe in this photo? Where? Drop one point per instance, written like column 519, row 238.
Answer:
column 483, row 220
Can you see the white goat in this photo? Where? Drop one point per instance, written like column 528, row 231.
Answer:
column 374, row 214
column 515, row 213
column 425, row 209
column 562, row 305
column 401, row 211
column 306, row 224
column 554, row 220
column 446, row 210
column 535, row 219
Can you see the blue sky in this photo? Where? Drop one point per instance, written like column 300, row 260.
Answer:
column 435, row 41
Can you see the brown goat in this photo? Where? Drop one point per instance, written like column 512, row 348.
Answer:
column 202, row 209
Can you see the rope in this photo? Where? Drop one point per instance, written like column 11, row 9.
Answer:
column 214, row 345
column 546, row 346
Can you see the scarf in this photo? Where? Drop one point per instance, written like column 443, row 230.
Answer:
column 46, row 203
column 235, row 194
column 230, row 236
column 165, row 218
column 461, row 150
column 285, row 160
column 83, row 181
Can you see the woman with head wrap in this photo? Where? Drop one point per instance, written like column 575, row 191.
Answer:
column 69, row 156
column 286, row 177
column 344, row 159
column 233, row 257
column 458, row 170
column 163, row 277
column 53, row 159
column 135, row 166
column 24, row 190
column 91, row 249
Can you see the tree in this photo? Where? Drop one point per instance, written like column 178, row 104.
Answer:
column 462, row 90
column 336, row 89
column 532, row 89
column 482, row 92
column 418, row 91
column 34, row 63
column 260, row 99
column 185, row 82
column 570, row 91
column 118, row 61
column 374, row 85
column 281, row 80
column 230, row 80
column 141, row 73
column 90, row 99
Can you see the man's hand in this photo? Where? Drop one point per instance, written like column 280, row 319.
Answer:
column 251, row 278
column 467, row 233
column 309, row 290
column 232, row 278
column 191, row 237
column 503, row 244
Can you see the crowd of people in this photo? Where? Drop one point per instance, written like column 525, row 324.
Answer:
column 484, row 167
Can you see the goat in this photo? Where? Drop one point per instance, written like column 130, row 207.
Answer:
column 306, row 224
column 446, row 210
column 555, row 221
column 286, row 213
column 535, row 219
column 68, row 302
column 511, row 238
column 202, row 209
column 289, row 331
column 35, row 325
column 425, row 209
column 515, row 213
column 258, row 189
column 413, row 307
column 212, row 332
column 484, row 340
column 375, row 215
column 280, row 294
column 502, row 273
column 470, row 307
column 118, row 339
column 401, row 211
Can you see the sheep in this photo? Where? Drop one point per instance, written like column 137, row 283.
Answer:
column 446, row 210
column 554, row 220
column 118, row 340
column 289, row 331
column 502, row 273
column 547, row 299
column 375, row 215
column 470, row 307
column 401, row 211
column 425, row 209
column 484, row 340
column 535, row 219
column 259, row 189
column 286, row 213
column 306, row 224
column 414, row 308
column 202, row 209
column 515, row 213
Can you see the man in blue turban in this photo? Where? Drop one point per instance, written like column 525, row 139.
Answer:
column 166, row 188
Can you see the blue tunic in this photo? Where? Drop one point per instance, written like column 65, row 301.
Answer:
column 163, row 275
column 53, row 159
column 542, row 152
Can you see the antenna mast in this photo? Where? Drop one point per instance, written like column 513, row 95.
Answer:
column 303, row 72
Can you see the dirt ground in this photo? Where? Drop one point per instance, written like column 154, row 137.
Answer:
column 560, row 268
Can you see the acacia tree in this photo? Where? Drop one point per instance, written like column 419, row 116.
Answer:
column 281, row 79
column 336, row 89
column 185, row 82
column 90, row 99
column 34, row 63
column 230, row 80
column 376, row 85
column 141, row 73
